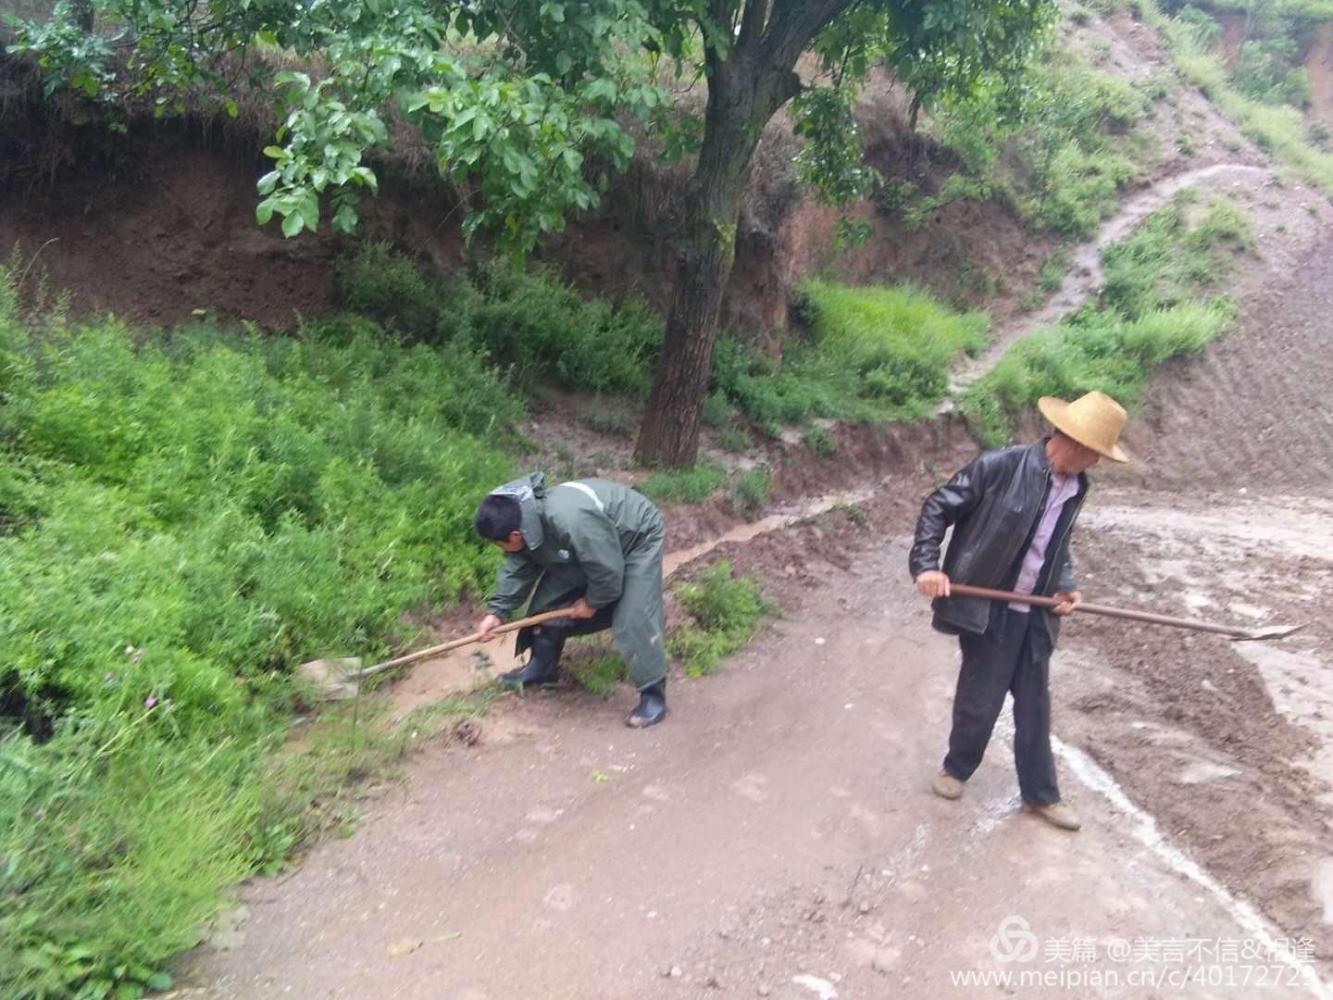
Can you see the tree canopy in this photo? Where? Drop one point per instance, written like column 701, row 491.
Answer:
column 528, row 105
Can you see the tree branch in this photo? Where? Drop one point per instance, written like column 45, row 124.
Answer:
column 795, row 23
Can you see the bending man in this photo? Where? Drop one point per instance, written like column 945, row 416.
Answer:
column 590, row 544
column 1012, row 512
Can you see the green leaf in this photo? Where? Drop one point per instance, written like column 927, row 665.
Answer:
column 292, row 224
column 602, row 88
column 344, row 220
column 367, row 177
column 274, row 152
column 159, row 981
column 309, row 210
column 264, row 211
column 232, row 109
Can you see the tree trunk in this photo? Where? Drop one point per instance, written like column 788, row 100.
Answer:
column 743, row 94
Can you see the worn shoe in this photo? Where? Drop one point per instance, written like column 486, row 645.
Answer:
column 543, row 666
column 651, row 708
column 1057, row 814
column 946, row 786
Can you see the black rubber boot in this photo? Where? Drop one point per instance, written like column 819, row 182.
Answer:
column 651, row 708
column 543, row 666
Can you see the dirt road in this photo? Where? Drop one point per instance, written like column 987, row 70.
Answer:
column 778, row 826
column 776, row 837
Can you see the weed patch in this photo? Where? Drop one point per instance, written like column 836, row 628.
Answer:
column 527, row 322
column 185, row 517
column 693, row 485
column 875, row 354
column 727, row 612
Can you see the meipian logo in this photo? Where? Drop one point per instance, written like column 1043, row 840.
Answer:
column 1014, row 941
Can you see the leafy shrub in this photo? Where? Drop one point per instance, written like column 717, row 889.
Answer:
column 528, row 321
column 727, row 612
column 543, row 328
column 734, row 438
column 1269, row 71
column 185, row 518
column 717, row 411
column 390, row 288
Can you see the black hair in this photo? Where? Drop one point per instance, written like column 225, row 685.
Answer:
column 498, row 517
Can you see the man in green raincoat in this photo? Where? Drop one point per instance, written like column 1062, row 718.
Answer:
column 592, row 545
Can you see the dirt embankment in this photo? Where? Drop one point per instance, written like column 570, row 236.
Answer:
column 158, row 223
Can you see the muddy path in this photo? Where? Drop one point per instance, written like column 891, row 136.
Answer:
column 775, row 838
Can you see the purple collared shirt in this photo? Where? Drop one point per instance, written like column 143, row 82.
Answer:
column 1063, row 489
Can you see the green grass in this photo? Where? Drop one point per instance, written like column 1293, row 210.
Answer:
column 183, row 518
column 726, row 613
column 693, row 485
column 598, row 669
column 1280, row 130
column 1059, row 149
column 528, row 322
column 876, row 354
column 751, row 490
column 819, row 441
column 1160, row 300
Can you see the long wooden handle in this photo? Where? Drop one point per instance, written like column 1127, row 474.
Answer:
column 445, row 647
column 966, row 590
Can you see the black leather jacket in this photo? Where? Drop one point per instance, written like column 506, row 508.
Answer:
column 994, row 505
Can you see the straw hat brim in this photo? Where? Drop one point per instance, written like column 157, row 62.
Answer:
column 1056, row 411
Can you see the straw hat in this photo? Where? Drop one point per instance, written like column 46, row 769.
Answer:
column 1094, row 421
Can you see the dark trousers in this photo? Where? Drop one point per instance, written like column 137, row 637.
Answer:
column 1013, row 655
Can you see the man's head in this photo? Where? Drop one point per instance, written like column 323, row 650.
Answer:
column 1068, row 457
column 1086, row 431
column 498, row 520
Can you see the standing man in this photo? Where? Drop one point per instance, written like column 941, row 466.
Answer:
column 590, row 544
column 1012, row 512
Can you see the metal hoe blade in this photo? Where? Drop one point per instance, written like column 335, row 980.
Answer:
column 1262, row 634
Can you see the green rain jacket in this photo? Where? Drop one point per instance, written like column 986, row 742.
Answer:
column 593, row 539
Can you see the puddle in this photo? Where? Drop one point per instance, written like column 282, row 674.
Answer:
column 473, row 667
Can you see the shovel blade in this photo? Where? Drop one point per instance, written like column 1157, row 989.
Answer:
column 333, row 678
column 1264, row 634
